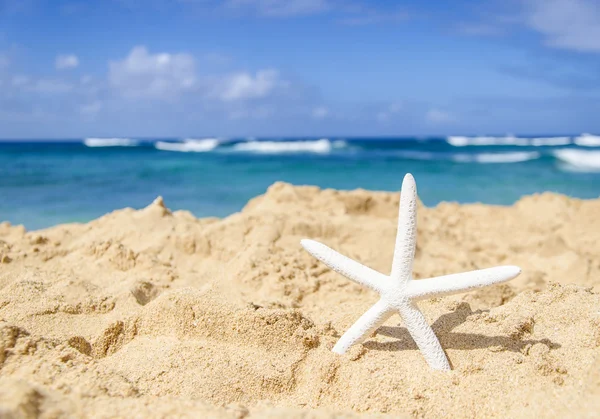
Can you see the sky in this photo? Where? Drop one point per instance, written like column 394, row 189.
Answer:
column 189, row 68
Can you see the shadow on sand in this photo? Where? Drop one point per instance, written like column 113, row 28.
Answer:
column 443, row 329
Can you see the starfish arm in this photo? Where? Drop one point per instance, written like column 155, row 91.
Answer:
column 456, row 283
column 423, row 335
column 406, row 237
column 364, row 326
column 343, row 265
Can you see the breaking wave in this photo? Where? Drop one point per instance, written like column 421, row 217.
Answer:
column 189, row 145
column 588, row 140
column 579, row 160
column 515, row 157
column 322, row 146
column 572, row 154
column 460, row 141
column 110, row 142
column 550, row 141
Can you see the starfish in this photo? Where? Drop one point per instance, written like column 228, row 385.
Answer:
column 399, row 291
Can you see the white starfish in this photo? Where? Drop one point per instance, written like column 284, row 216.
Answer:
column 399, row 290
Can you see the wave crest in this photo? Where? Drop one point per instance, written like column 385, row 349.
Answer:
column 189, row 145
column 110, row 142
column 458, row 141
column 588, row 140
column 516, row 157
column 484, row 158
column 579, row 160
column 322, row 146
column 550, row 141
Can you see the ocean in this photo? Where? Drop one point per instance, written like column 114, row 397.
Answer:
column 43, row 183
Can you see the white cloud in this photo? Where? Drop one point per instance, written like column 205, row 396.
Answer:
column 141, row 80
column 320, row 112
column 438, row 116
column 566, row 24
column 168, row 76
column 391, row 111
column 66, row 61
column 243, row 86
column 281, row 8
column 161, row 75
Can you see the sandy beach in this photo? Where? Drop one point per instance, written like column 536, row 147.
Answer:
column 154, row 313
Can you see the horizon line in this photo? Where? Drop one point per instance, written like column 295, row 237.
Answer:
column 290, row 137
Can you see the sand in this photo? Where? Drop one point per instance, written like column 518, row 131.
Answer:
column 153, row 313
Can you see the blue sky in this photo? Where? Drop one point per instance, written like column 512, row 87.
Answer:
column 173, row 68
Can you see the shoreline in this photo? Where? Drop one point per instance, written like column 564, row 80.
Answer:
column 537, row 195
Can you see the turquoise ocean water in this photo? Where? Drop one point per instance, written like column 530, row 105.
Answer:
column 43, row 183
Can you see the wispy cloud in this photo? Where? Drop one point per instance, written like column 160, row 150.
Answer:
column 66, row 61
column 566, row 24
column 25, row 83
column 356, row 13
column 244, row 86
column 372, row 17
column 564, row 75
column 162, row 85
column 168, row 76
column 438, row 116
column 51, row 86
column 389, row 112
column 280, row 8
column 563, row 24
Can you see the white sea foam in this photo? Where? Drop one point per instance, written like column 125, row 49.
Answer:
column 110, row 142
column 579, row 160
column 189, row 145
column 321, row 146
column 550, row 141
column 588, row 140
column 515, row 157
column 458, row 141
column 483, row 158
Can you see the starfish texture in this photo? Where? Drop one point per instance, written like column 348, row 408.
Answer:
column 399, row 291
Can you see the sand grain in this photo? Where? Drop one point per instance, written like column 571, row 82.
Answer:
column 156, row 313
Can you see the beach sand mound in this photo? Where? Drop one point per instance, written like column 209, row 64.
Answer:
column 154, row 313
